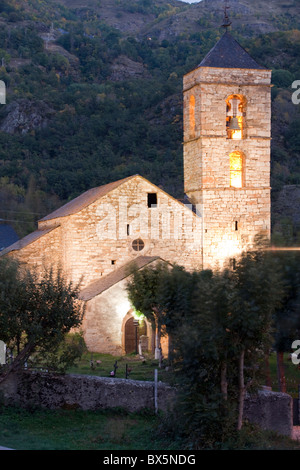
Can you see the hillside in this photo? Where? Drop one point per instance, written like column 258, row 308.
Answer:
column 169, row 19
column 94, row 93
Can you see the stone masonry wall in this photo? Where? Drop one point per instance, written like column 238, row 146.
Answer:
column 94, row 241
column 84, row 392
column 231, row 216
column 269, row 410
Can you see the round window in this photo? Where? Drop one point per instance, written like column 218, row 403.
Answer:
column 138, row 245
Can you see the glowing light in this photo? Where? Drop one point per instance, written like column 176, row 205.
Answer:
column 235, row 110
column 123, row 307
column 236, row 135
column 192, row 116
column 228, row 249
column 236, row 169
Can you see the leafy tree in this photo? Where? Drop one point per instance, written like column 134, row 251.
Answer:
column 220, row 324
column 287, row 315
column 36, row 312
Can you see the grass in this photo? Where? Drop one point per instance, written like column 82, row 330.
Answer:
column 78, row 430
column 103, row 364
column 111, row 430
column 292, row 375
column 38, row 429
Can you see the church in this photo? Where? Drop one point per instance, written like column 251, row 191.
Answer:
column 226, row 149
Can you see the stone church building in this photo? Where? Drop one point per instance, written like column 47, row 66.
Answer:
column 98, row 235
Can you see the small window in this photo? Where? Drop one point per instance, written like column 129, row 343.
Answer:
column 138, row 245
column 192, row 117
column 236, row 225
column 233, row 264
column 113, row 261
column 152, row 199
column 236, row 170
column 128, row 229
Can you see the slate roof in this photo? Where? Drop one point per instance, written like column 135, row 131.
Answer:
column 105, row 282
column 32, row 237
column 229, row 54
column 84, row 200
column 92, row 195
column 8, row 236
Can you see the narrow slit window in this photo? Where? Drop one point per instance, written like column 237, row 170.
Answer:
column 152, row 200
column 233, row 264
column 236, row 170
column 236, row 225
column 192, row 116
column 128, row 229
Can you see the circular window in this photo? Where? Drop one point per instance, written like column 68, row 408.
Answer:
column 138, row 245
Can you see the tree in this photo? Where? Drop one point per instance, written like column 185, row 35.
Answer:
column 257, row 290
column 287, row 315
column 221, row 325
column 36, row 312
column 143, row 292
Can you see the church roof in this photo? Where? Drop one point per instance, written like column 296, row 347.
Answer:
column 105, row 282
column 92, row 195
column 229, row 54
column 84, row 200
column 8, row 236
column 32, row 237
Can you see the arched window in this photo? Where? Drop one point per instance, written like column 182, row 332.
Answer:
column 192, row 116
column 235, row 113
column 236, row 170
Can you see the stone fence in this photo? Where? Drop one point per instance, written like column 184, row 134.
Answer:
column 270, row 410
column 84, row 392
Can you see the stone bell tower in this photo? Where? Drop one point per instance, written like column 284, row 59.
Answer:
column 227, row 134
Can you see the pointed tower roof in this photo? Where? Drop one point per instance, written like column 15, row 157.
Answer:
column 229, row 54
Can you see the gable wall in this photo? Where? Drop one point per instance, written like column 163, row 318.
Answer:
column 92, row 238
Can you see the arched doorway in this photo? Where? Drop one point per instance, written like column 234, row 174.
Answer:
column 133, row 331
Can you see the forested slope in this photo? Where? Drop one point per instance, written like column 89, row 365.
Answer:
column 94, row 93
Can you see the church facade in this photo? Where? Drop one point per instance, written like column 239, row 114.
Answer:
column 96, row 237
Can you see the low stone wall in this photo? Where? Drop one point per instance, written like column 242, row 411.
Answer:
column 84, row 392
column 270, row 410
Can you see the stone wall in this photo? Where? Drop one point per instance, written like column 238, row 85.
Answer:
column 94, row 241
column 270, row 410
column 84, row 392
column 207, row 150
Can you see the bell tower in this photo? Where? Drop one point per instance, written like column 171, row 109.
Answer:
column 227, row 135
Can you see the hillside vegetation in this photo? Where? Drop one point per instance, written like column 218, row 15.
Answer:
column 94, row 93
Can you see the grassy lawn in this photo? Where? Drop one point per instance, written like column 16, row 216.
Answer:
column 117, row 430
column 78, row 430
column 103, row 364
column 108, row 430
column 292, row 375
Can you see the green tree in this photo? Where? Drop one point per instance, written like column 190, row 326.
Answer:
column 287, row 315
column 36, row 312
column 221, row 325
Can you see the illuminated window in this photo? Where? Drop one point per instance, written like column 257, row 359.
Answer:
column 236, row 170
column 235, row 117
column 192, row 116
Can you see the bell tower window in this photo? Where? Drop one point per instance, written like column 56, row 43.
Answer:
column 235, row 117
column 236, row 170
